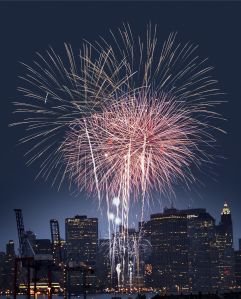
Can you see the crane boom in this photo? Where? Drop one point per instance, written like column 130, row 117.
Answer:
column 21, row 233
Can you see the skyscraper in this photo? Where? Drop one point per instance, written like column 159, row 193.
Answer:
column 184, row 255
column 202, row 252
column 56, row 241
column 237, row 268
column 81, row 250
column 169, row 240
column 103, row 266
column 81, row 239
column 9, row 265
column 224, row 245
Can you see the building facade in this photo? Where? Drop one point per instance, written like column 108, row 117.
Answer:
column 237, row 268
column 225, row 252
column 103, row 267
column 81, row 251
column 202, row 252
column 190, row 253
column 7, row 261
column 169, row 258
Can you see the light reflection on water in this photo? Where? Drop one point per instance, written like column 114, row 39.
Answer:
column 89, row 296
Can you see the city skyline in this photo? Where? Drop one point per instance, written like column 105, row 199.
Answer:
column 100, row 235
column 179, row 251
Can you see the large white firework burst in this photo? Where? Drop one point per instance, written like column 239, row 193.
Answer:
column 142, row 143
column 126, row 116
column 165, row 85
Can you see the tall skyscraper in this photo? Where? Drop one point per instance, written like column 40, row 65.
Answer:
column 103, row 267
column 169, row 259
column 184, row 254
column 224, row 245
column 9, row 265
column 201, row 252
column 81, row 250
column 81, row 239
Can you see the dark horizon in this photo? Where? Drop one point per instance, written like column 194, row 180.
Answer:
column 33, row 27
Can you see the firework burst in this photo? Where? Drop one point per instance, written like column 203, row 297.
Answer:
column 129, row 116
column 60, row 93
column 142, row 142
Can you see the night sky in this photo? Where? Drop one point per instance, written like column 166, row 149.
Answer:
column 29, row 27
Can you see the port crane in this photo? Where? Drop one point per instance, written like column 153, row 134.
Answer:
column 30, row 260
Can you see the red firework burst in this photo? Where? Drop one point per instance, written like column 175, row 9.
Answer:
column 133, row 113
column 141, row 143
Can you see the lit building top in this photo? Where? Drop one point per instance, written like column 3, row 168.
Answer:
column 225, row 210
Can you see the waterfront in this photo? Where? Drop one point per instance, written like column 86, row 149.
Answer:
column 89, row 296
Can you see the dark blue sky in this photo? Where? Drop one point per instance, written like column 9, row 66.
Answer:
column 30, row 27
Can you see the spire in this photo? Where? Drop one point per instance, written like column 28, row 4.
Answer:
column 225, row 210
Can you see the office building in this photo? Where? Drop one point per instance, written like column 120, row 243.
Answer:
column 81, row 250
column 202, row 252
column 225, row 252
column 237, row 268
column 8, row 267
column 103, row 266
column 81, row 239
column 169, row 259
